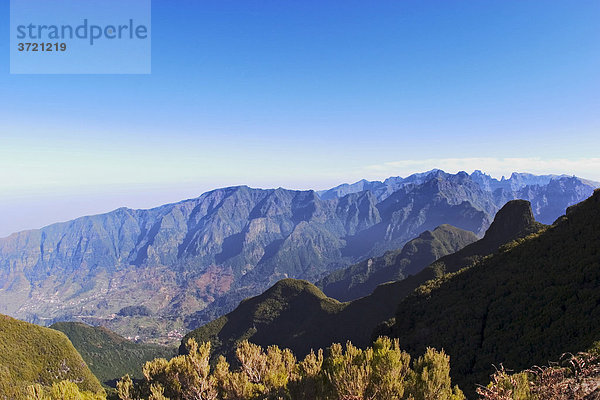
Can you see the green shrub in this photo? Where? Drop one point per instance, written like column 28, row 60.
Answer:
column 380, row 372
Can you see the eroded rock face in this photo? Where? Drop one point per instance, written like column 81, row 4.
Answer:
column 513, row 220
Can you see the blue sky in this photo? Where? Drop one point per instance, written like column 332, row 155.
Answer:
column 305, row 94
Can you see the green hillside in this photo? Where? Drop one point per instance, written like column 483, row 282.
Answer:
column 292, row 314
column 31, row 354
column 108, row 355
column 361, row 279
column 535, row 299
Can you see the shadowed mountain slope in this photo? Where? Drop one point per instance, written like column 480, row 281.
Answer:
column 290, row 314
column 538, row 297
column 361, row 279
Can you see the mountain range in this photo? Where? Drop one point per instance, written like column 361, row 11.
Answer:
column 190, row 262
column 295, row 314
column 519, row 296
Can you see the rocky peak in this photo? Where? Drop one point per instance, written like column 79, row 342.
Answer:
column 513, row 220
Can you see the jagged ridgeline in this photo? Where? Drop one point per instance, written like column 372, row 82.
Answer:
column 297, row 315
column 108, row 355
column 31, row 354
column 156, row 273
column 361, row 279
column 538, row 297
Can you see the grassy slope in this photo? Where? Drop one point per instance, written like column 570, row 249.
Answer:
column 538, row 297
column 109, row 355
column 33, row 354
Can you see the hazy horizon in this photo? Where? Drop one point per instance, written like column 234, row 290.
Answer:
column 69, row 207
column 305, row 95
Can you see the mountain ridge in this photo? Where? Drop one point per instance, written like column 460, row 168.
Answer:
column 361, row 279
column 193, row 261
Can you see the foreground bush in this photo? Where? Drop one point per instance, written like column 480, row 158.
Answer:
column 63, row 390
column 381, row 372
column 573, row 378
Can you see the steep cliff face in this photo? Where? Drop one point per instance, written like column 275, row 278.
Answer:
column 195, row 260
column 177, row 258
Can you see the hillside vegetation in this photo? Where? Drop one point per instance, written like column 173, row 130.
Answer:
column 108, row 355
column 292, row 314
column 30, row 355
column 536, row 298
column 573, row 377
column 380, row 372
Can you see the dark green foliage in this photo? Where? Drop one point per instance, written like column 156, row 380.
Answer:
column 361, row 279
column 30, row 354
column 109, row 355
column 514, row 221
column 536, row 298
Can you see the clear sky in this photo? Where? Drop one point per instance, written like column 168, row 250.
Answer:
column 305, row 94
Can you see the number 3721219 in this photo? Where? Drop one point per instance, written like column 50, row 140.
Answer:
column 42, row 47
